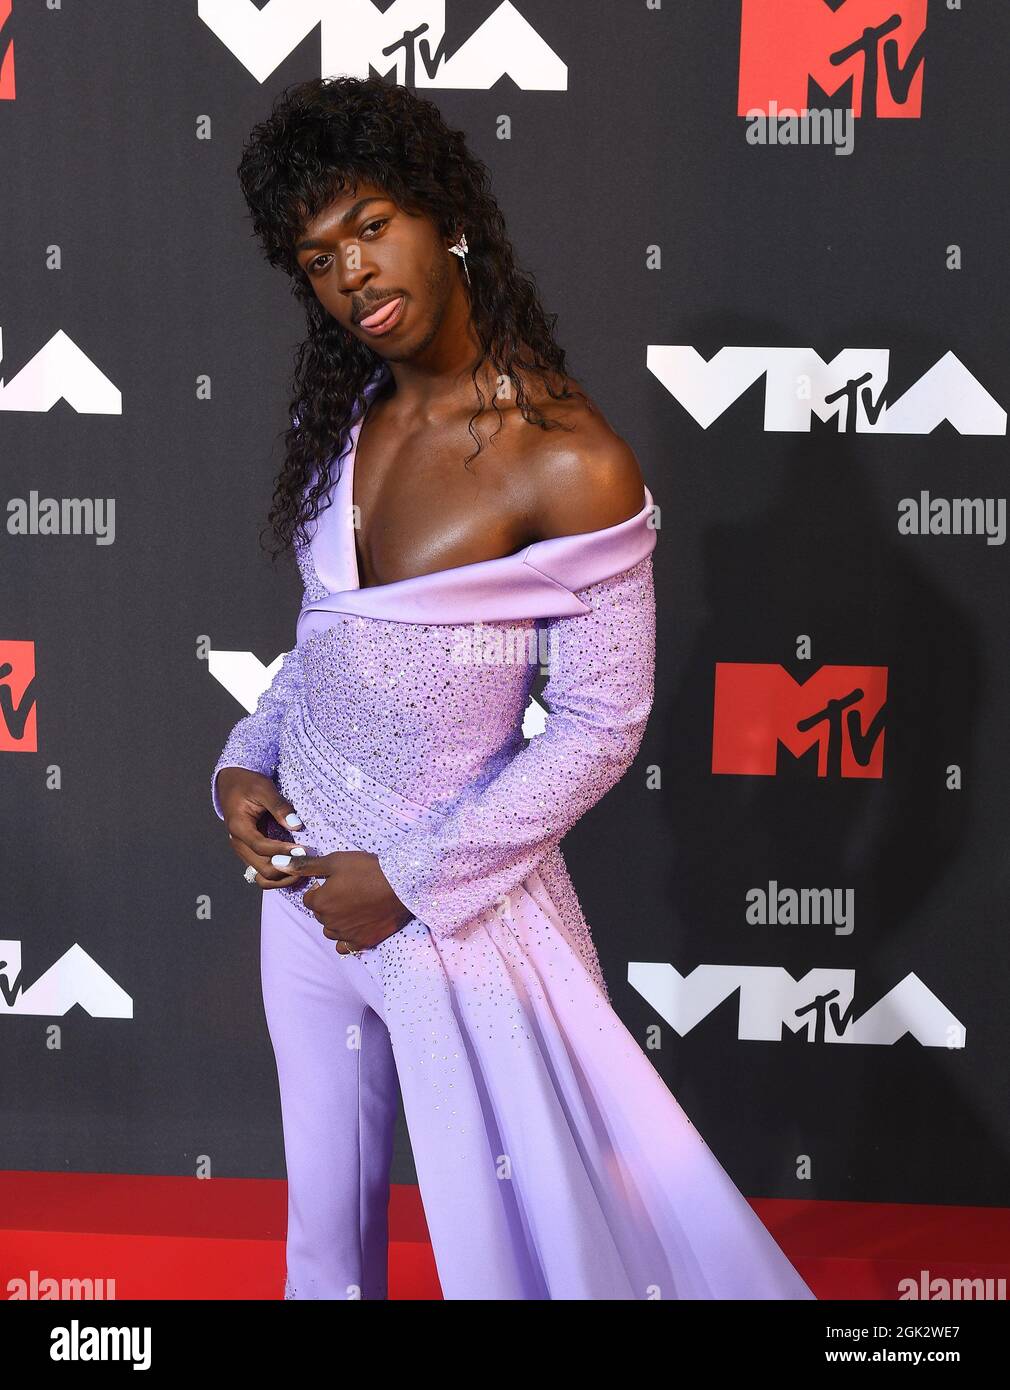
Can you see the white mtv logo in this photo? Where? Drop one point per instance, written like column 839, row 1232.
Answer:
column 355, row 36
column 74, row 979
column 849, row 389
column 60, row 371
column 820, row 1004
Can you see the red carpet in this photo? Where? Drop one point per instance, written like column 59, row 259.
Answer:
column 159, row 1237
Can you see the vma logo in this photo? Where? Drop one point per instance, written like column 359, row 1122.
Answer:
column 405, row 41
column 851, row 389
column 834, row 719
column 865, row 56
column 821, row 1005
column 18, row 727
column 74, row 979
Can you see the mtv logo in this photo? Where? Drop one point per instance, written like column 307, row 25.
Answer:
column 838, row 711
column 18, row 719
column 863, row 55
column 7, row 84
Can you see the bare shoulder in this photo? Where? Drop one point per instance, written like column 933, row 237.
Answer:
column 583, row 477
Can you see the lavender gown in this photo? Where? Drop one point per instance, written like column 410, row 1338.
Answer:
column 552, row 1160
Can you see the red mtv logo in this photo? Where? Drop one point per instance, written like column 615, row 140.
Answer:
column 758, row 706
column 865, row 53
column 6, row 54
column 18, row 733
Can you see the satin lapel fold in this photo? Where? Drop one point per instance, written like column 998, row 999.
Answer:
column 586, row 558
column 537, row 582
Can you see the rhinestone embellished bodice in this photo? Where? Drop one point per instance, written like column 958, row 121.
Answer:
column 398, row 701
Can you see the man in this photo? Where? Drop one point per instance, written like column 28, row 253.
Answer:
column 552, row 1160
column 421, row 510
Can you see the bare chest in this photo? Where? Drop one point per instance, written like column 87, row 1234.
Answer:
column 418, row 508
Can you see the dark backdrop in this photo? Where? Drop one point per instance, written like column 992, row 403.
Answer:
column 650, row 221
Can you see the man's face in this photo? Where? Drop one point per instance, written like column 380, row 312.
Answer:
column 363, row 252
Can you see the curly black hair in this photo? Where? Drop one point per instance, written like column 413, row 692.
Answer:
column 324, row 136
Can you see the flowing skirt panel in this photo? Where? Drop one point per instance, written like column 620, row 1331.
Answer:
column 553, row 1162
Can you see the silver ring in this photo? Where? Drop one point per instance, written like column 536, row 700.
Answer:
column 250, row 873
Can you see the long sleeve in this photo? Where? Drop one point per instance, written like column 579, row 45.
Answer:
column 599, row 695
column 254, row 741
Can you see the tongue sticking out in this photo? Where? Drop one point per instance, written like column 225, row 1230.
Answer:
column 381, row 315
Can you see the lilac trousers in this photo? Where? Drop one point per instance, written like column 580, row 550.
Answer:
column 338, row 1091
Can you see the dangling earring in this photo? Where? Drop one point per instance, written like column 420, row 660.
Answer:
column 460, row 249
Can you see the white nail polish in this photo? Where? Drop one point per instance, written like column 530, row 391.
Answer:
column 292, row 820
column 297, row 850
column 280, row 861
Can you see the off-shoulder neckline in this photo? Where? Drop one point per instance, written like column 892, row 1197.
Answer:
column 523, row 554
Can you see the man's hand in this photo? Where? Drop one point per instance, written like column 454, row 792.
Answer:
column 355, row 904
column 247, row 798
